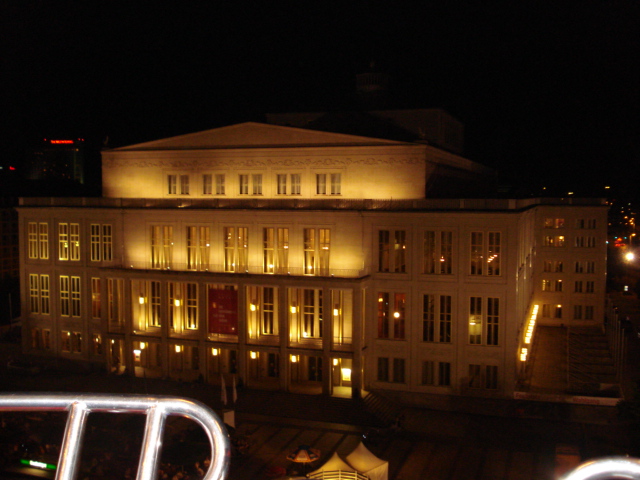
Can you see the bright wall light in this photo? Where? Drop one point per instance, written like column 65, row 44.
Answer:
column 253, row 355
column 214, row 352
column 294, row 359
column 178, row 348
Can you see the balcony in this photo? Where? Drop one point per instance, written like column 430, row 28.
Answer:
column 249, row 270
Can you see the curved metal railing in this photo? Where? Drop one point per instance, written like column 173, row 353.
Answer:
column 156, row 410
column 606, row 469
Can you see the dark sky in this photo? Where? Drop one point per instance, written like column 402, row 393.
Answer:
column 548, row 91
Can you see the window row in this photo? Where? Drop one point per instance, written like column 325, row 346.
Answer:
column 580, row 312
column 435, row 373
column 235, row 242
column 580, row 223
column 438, row 252
column 252, row 184
column 69, row 241
column 70, row 341
column 579, row 286
column 560, row 241
column 557, row 266
column 483, row 318
column 308, row 311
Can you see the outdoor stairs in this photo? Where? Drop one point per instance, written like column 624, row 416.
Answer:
column 591, row 369
column 384, row 409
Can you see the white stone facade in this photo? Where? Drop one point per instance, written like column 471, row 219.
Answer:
column 291, row 259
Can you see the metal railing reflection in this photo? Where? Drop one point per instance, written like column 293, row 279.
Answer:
column 156, row 410
column 605, row 469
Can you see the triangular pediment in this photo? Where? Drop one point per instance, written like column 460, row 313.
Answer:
column 256, row 135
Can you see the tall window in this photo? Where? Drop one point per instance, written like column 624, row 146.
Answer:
column 554, row 223
column 484, row 320
column 281, row 180
column 64, row 296
column 207, row 184
column 262, row 310
column 38, row 240
column 399, row 370
column 75, row 297
column 63, row 241
column 436, row 373
column 32, row 240
column 317, row 243
column 101, row 242
column 321, row 184
column 172, row 184
column 198, row 248
column 438, row 252
column 69, row 296
column 34, row 293
column 184, row 184
column 154, row 304
column 183, row 306
column 256, row 184
column 444, row 319
column 295, row 183
column 553, row 266
column 311, row 323
column 74, row 241
column 336, row 184
column 243, row 184
column 96, row 305
column 220, row 184
column 391, row 315
column 392, row 256
column 115, row 304
column 161, row 246
column 553, row 241
column 39, row 294
column 43, row 240
column 383, row 369
column 236, row 249
column 275, row 250
column 485, row 253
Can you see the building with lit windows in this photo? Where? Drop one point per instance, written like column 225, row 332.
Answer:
column 303, row 260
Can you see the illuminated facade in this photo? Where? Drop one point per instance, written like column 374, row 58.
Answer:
column 296, row 260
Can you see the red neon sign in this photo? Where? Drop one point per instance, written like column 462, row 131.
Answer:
column 58, row 142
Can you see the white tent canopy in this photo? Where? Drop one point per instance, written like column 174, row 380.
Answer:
column 333, row 464
column 366, row 462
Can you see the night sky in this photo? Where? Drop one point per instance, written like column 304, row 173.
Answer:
column 548, row 91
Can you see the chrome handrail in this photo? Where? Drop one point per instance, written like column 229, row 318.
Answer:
column 606, row 468
column 156, row 410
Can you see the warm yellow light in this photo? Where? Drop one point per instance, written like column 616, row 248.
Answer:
column 335, row 362
column 523, row 354
column 293, row 309
column 176, row 302
column 294, row 359
column 396, row 314
column 136, row 352
column 141, row 300
column 143, row 345
column 253, row 355
column 336, row 312
column 252, row 307
column 629, row 256
column 178, row 348
column 214, row 352
column 346, row 374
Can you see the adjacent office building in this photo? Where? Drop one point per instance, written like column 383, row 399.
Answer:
column 304, row 260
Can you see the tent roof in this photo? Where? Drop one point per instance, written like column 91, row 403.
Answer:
column 334, row 463
column 363, row 460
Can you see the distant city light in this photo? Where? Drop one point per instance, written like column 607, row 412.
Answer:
column 629, row 256
column 61, row 142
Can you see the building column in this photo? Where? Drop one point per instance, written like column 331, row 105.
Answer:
column 327, row 341
column 283, row 333
column 359, row 296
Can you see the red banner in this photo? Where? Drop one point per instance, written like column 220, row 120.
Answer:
column 223, row 311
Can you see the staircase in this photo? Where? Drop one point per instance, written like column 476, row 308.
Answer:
column 384, row 409
column 591, row 369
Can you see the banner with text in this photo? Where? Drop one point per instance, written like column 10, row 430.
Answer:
column 223, row 311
